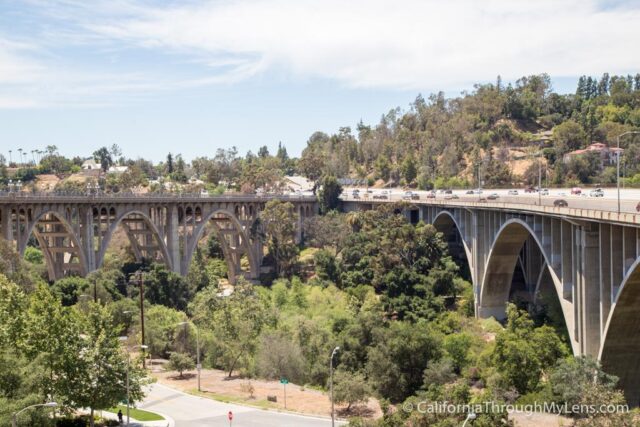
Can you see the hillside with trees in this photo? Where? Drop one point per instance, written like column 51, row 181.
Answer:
column 499, row 134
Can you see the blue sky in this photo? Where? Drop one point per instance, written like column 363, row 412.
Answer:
column 193, row 76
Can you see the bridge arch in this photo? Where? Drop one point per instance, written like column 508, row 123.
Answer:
column 234, row 245
column 446, row 223
column 148, row 228
column 621, row 338
column 499, row 270
column 58, row 242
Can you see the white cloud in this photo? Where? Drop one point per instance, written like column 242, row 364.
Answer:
column 396, row 44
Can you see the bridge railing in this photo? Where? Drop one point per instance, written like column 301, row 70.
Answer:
column 79, row 196
column 578, row 207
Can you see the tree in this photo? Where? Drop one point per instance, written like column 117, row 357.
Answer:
column 326, row 265
column 180, row 362
column 409, row 170
column 329, row 195
column 169, row 164
column 327, row 231
column 163, row 286
column 280, row 357
column 279, row 225
column 100, row 366
column 350, row 388
column 103, row 156
column 236, row 322
column 523, row 352
column 68, row 289
column 397, row 360
column 568, row 136
column 263, row 152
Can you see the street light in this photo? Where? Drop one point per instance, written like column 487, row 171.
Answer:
column 470, row 417
column 14, row 417
column 198, row 365
column 142, row 347
column 333, row 353
column 618, row 161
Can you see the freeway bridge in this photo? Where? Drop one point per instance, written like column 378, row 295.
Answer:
column 585, row 256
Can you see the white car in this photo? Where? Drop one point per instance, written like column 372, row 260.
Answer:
column 596, row 193
column 544, row 192
column 513, row 192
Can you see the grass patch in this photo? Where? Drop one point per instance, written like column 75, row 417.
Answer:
column 138, row 414
column 227, row 398
column 306, row 255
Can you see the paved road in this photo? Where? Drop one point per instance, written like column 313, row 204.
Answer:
column 193, row 411
column 629, row 198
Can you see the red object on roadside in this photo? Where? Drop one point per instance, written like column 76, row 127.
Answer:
column 230, row 415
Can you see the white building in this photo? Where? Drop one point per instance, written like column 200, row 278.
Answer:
column 90, row 165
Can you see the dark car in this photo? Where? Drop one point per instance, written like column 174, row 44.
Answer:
column 638, row 207
column 560, row 203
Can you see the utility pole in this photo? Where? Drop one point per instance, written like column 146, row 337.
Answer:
column 333, row 412
column 144, row 366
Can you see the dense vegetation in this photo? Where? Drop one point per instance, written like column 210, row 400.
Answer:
column 384, row 291
column 496, row 133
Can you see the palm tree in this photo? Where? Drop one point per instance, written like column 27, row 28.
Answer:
column 20, row 151
column 10, row 159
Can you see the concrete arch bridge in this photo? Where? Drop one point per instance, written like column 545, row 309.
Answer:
column 589, row 259
column 74, row 232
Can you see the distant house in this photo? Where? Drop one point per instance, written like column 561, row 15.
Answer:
column 297, row 183
column 118, row 169
column 91, row 164
column 195, row 181
column 608, row 155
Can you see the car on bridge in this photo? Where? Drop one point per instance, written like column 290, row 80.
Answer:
column 596, row 193
column 544, row 192
column 560, row 203
column 469, row 192
column 451, row 196
column 493, row 196
column 529, row 190
column 431, row 195
column 410, row 195
column 512, row 192
column 576, row 191
column 383, row 195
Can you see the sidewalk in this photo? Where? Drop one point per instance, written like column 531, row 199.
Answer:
column 167, row 422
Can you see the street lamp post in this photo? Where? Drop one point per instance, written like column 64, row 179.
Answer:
column 142, row 347
column 198, row 365
column 618, row 161
column 333, row 353
column 470, row 417
column 14, row 417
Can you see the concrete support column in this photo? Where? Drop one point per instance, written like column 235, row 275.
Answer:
column 173, row 239
column 605, row 275
column 5, row 226
column 87, row 239
column 590, row 290
column 477, row 255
